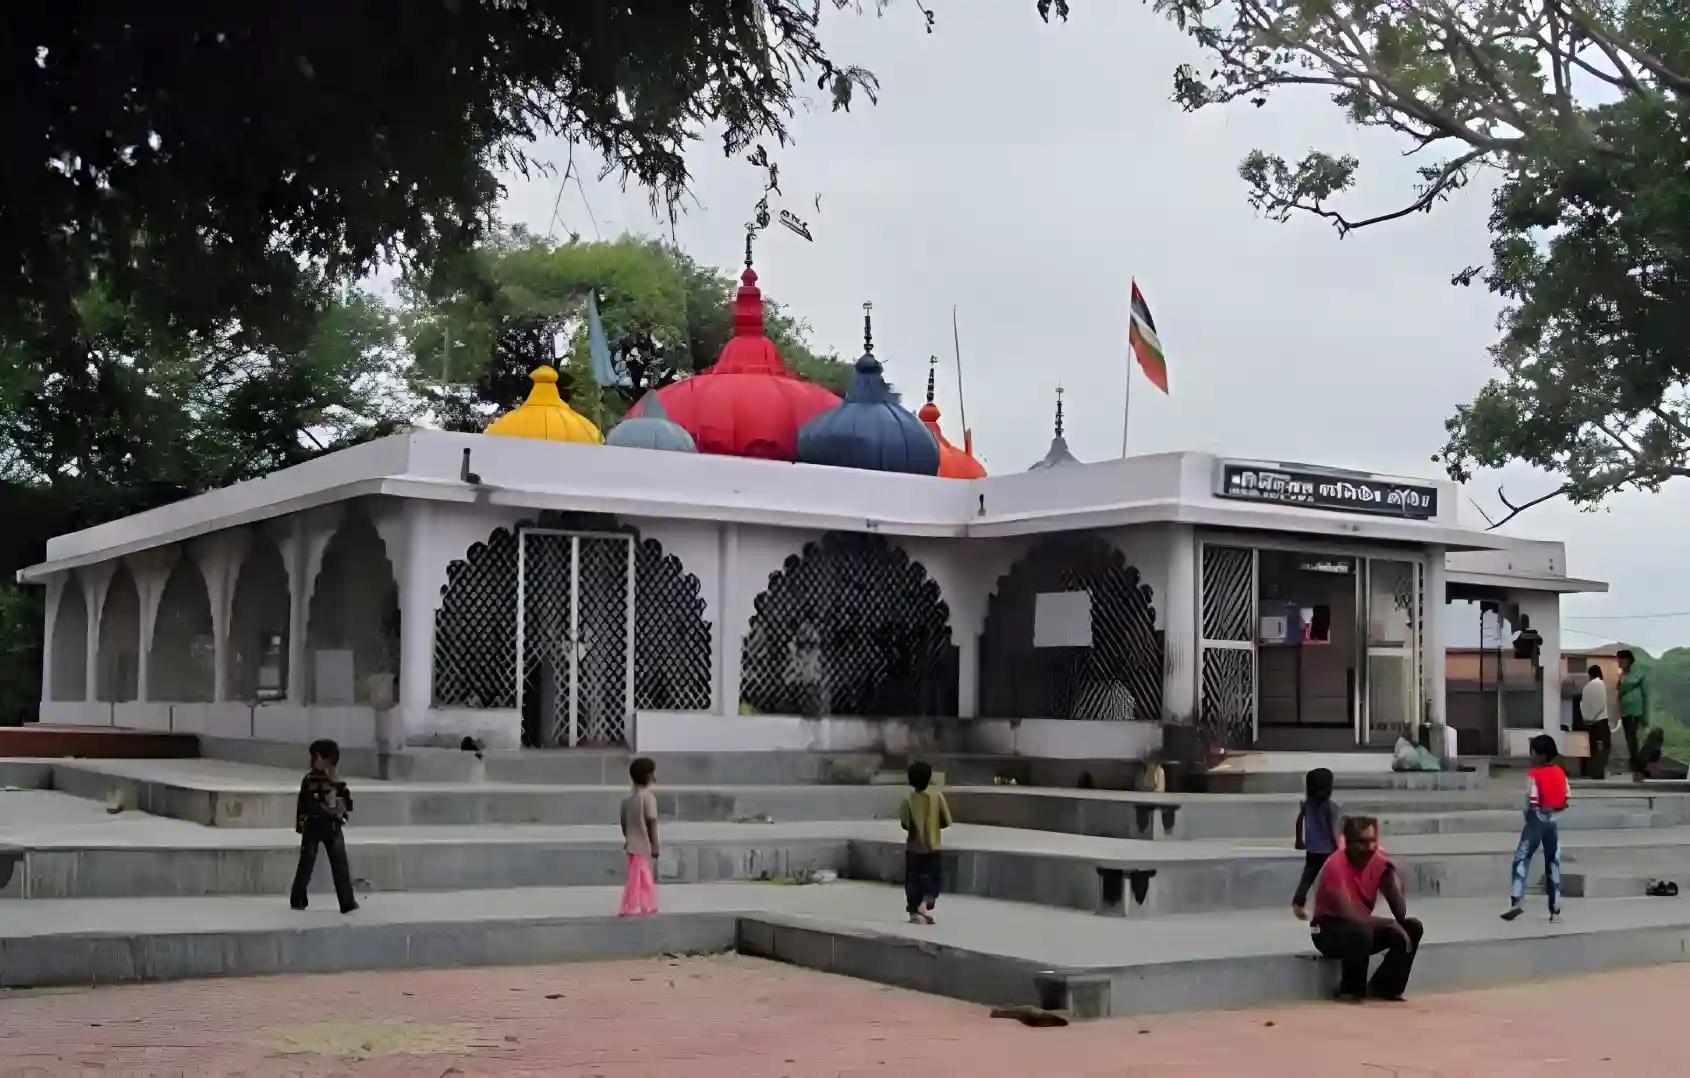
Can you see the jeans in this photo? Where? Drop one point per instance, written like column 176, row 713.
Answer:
column 1312, row 864
column 334, row 844
column 1541, row 830
column 923, row 876
column 1353, row 942
column 1633, row 748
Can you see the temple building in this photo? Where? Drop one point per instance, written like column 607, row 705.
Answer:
column 797, row 572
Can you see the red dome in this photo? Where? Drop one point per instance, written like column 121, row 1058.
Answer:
column 749, row 404
column 954, row 463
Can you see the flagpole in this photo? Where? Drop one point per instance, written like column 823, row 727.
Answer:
column 1127, row 403
column 962, row 400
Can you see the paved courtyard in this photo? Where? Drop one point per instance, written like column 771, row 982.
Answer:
column 739, row 1016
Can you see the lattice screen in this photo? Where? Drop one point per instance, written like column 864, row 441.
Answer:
column 1118, row 677
column 1227, row 712
column 475, row 628
column 671, row 636
column 851, row 627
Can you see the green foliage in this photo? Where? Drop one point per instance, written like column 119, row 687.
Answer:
column 20, row 653
column 1582, row 110
column 503, row 306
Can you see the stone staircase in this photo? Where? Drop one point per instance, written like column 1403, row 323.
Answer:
column 1104, row 902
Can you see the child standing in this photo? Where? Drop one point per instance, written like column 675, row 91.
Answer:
column 320, row 816
column 924, row 815
column 1317, row 833
column 1546, row 798
column 639, row 840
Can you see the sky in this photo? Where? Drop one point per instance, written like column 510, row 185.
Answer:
column 1026, row 173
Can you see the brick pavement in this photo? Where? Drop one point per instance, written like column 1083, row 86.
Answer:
column 741, row 1017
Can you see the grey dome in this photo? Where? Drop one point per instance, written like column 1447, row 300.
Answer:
column 651, row 429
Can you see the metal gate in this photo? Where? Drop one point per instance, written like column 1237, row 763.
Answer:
column 575, row 636
column 1226, row 586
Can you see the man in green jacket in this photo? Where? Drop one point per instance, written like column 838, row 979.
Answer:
column 1634, row 710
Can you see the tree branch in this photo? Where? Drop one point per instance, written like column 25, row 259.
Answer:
column 1515, row 510
column 1452, row 175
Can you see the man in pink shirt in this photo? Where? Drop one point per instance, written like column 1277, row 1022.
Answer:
column 1344, row 926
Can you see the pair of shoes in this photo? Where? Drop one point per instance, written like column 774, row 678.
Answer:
column 350, row 909
column 1662, row 889
column 291, row 906
column 1512, row 913
column 1554, row 916
column 927, row 914
column 918, row 919
column 1346, row 997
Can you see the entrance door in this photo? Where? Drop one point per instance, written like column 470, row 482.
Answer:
column 1226, row 586
column 1392, row 700
column 575, row 637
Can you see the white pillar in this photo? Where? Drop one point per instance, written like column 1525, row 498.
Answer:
column 729, row 644
column 151, row 570
column 1179, row 607
column 219, row 557
column 303, row 539
column 1544, row 610
column 414, row 564
column 95, row 581
column 968, row 672
column 1432, row 661
column 50, row 615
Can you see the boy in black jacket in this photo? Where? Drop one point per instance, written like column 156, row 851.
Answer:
column 324, row 805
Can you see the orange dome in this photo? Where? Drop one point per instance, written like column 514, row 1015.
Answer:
column 954, row 463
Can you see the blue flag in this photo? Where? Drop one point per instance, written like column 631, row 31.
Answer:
column 607, row 371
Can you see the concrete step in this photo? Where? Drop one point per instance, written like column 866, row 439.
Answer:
column 46, row 741
column 1126, row 879
column 1273, row 816
column 981, row 950
column 229, row 795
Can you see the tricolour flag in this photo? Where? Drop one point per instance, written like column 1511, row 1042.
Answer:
column 1141, row 334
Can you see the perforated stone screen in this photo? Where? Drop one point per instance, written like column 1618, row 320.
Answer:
column 1118, row 676
column 852, row 626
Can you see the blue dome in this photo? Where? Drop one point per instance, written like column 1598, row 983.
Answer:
column 869, row 430
column 651, row 429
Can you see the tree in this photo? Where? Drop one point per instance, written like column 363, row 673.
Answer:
column 480, row 323
column 1580, row 109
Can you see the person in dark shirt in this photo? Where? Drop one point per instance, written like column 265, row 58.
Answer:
column 324, row 804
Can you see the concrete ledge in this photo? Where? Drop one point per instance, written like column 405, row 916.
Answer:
column 118, row 957
column 149, row 872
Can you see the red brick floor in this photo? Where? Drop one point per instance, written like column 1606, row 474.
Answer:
column 741, row 1017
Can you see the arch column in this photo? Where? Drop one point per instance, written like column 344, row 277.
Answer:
column 219, row 557
column 151, row 570
column 303, row 538
column 55, row 593
column 95, row 581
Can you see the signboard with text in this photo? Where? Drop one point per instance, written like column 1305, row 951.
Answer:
column 1313, row 489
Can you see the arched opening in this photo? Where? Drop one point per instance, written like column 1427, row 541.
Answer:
column 259, row 625
column 68, row 679
column 181, row 661
column 475, row 627
column 118, row 676
column 1071, row 634
column 352, row 634
column 852, row 626
column 671, row 635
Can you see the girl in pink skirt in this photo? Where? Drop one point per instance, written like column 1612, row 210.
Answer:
column 639, row 840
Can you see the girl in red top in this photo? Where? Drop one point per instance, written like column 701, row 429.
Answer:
column 1546, row 798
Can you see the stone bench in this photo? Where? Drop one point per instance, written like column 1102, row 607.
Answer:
column 1114, row 880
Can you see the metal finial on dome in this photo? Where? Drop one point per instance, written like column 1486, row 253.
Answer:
column 868, row 327
column 750, row 234
column 1059, row 411
column 932, row 365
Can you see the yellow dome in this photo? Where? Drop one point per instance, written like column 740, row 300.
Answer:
column 545, row 415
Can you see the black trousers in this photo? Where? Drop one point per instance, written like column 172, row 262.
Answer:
column 334, row 844
column 1354, row 942
column 1601, row 747
column 1312, row 863
column 924, row 875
